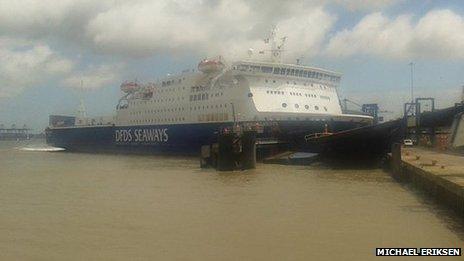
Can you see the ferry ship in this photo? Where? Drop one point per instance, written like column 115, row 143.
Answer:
column 180, row 113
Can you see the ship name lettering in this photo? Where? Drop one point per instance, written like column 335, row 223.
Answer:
column 142, row 135
column 123, row 136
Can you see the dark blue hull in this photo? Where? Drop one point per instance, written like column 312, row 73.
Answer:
column 172, row 139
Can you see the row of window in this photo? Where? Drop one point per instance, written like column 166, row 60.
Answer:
column 169, row 90
column 204, row 96
column 309, row 95
column 322, row 87
column 199, row 88
column 297, row 106
column 276, row 92
column 291, row 118
column 206, row 107
column 170, row 82
column 158, row 111
column 179, row 109
column 199, row 97
column 210, row 117
column 160, row 120
column 288, row 72
column 155, row 101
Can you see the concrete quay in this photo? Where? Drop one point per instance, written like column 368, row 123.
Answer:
column 439, row 174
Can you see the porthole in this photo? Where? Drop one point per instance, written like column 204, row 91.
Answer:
column 297, row 106
column 284, row 105
column 316, row 108
column 307, row 107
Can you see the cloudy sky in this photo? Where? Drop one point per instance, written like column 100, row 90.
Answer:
column 48, row 46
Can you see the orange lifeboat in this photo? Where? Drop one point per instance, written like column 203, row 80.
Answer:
column 130, row 87
column 210, row 66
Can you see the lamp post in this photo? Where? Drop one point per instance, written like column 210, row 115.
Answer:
column 411, row 64
column 462, row 95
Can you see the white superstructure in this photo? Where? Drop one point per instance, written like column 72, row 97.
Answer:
column 247, row 90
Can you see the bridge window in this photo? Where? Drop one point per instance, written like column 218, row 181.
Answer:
column 266, row 69
column 276, row 70
column 243, row 67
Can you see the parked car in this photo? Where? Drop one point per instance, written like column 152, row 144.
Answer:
column 408, row 142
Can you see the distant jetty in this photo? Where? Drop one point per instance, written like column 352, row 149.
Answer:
column 14, row 133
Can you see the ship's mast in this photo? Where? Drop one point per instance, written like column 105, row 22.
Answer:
column 277, row 49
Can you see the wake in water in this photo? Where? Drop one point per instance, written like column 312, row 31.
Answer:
column 47, row 149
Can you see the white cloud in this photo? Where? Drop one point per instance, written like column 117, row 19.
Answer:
column 366, row 5
column 94, row 77
column 143, row 28
column 28, row 66
column 48, row 18
column 227, row 26
column 439, row 34
column 375, row 34
column 306, row 32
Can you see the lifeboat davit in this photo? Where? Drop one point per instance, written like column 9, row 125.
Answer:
column 210, row 66
column 130, row 87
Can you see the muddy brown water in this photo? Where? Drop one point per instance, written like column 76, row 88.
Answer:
column 71, row 206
